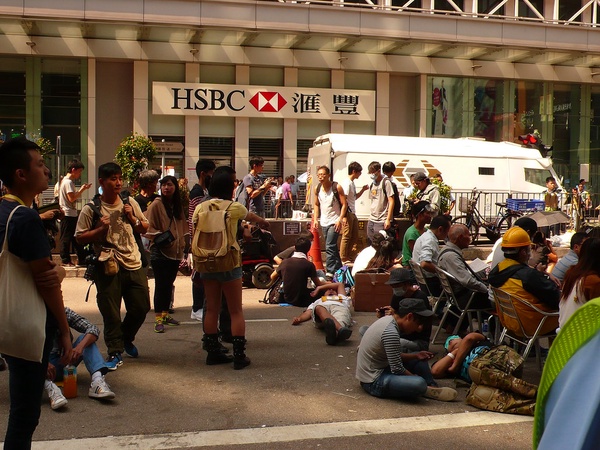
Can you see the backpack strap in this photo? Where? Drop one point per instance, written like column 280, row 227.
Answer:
column 336, row 194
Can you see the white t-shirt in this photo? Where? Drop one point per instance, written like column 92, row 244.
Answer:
column 350, row 190
column 67, row 186
column 330, row 300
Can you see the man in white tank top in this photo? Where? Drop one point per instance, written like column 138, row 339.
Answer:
column 330, row 206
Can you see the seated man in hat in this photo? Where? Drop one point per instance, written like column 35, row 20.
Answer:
column 384, row 370
column 331, row 312
column 514, row 276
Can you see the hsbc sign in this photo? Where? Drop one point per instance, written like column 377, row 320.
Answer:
column 230, row 100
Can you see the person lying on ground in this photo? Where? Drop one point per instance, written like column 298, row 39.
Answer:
column 461, row 353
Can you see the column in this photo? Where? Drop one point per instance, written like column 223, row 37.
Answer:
column 382, row 112
column 290, row 131
column 337, row 82
column 422, row 110
column 242, row 128
column 192, row 130
column 140, row 97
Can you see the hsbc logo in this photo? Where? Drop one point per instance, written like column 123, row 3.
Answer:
column 268, row 101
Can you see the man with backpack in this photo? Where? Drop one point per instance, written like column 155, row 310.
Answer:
column 350, row 222
column 111, row 229
column 388, row 170
column 330, row 207
column 381, row 196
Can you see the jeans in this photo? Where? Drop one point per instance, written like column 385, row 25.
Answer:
column 67, row 237
column 165, row 273
column 132, row 286
column 333, row 261
column 91, row 356
column 26, row 385
column 389, row 385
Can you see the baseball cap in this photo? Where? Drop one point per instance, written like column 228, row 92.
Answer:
column 421, row 206
column 399, row 275
column 413, row 305
column 420, row 176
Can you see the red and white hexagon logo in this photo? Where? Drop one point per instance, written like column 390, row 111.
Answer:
column 268, row 101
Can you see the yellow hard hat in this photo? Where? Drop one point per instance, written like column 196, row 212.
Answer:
column 516, row 237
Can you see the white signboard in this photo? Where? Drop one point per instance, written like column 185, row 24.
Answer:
column 262, row 101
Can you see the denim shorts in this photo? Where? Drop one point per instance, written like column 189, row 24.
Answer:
column 222, row 277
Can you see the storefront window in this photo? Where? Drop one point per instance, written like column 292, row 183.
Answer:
column 220, row 150
column 12, row 104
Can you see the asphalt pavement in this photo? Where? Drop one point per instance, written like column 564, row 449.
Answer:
column 297, row 393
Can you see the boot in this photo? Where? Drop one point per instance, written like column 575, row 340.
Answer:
column 240, row 360
column 221, row 346
column 213, row 348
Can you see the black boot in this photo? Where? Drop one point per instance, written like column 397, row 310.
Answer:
column 240, row 360
column 221, row 346
column 213, row 348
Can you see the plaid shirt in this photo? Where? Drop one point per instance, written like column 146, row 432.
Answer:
column 78, row 323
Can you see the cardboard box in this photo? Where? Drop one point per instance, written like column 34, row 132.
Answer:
column 370, row 292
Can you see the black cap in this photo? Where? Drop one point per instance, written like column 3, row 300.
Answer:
column 399, row 275
column 421, row 206
column 527, row 223
column 413, row 305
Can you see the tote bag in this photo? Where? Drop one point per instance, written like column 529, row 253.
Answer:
column 21, row 307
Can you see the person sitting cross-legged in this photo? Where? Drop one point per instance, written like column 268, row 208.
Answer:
column 384, row 370
column 331, row 312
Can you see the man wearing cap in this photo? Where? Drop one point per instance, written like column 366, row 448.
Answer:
column 428, row 192
column 514, row 276
column 384, row 370
column 331, row 312
column 381, row 196
column 422, row 213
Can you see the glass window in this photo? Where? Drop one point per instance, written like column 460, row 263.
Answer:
column 12, row 103
column 537, row 176
column 61, row 110
column 485, row 6
column 528, row 104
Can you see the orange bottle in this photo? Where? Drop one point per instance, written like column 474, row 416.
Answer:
column 70, row 381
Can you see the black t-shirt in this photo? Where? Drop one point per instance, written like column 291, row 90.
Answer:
column 144, row 202
column 287, row 253
column 424, row 336
column 295, row 273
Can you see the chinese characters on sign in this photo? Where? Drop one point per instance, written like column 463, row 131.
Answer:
column 257, row 101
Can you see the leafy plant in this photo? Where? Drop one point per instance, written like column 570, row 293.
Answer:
column 444, row 194
column 133, row 154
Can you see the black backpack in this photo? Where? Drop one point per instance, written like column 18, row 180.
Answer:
column 274, row 294
column 397, row 205
column 336, row 194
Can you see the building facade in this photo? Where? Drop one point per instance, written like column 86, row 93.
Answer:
column 250, row 77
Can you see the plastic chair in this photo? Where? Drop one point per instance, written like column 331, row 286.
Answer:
column 422, row 280
column 446, row 280
column 514, row 329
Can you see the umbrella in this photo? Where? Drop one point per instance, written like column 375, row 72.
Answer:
column 549, row 218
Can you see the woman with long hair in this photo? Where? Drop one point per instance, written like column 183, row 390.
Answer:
column 582, row 281
column 166, row 251
column 385, row 257
column 227, row 283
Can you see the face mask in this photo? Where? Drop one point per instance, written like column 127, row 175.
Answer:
column 399, row 291
column 374, row 177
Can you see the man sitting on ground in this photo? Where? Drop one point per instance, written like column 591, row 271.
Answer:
column 384, row 370
column 295, row 272
column 331, row 312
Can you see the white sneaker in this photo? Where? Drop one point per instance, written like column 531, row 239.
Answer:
column 100, row 389
column 442, row 394
column 197, row 315
column 57, row 399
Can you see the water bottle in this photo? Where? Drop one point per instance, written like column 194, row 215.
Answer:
column 485, row 329
column 70, row 381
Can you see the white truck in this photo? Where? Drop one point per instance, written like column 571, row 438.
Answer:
column 497, row 168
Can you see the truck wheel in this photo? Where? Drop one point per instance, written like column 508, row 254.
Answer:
column 261, row 277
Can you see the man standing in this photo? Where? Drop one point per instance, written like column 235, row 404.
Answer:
column 67, row 196
column 514, row 276
column 255, row 187
column 205, row 169
column 112, row 226
column 350, row 222
column 428, row 192
column 381, row 196
column 330, row 206
column 286, row 199
column 427, row 251
column 24, row 175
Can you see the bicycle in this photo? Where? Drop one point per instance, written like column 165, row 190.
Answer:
column 473, row 219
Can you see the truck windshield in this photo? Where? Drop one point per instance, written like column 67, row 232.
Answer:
column 537, row 176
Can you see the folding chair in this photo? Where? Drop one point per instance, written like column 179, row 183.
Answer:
column 514, row 329
column 422, row 280
column 446, row 280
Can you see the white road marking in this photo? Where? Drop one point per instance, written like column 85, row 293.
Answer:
column 193, row 322
column 287, row 433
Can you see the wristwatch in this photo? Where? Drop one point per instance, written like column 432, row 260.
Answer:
column 137, row 222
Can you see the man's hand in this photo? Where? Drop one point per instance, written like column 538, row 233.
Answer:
column 387, row 224
column 264, row 224
column 77, row 354
column 338, row 226
column 128, row 211
column 424, row 355
column 51, row 372
column 296, row 321
column 51, row 278
column 103, row 223
column 67, row 347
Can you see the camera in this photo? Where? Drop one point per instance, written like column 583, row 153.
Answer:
column 90, row 261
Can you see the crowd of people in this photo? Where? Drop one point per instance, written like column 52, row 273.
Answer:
column 393, row 359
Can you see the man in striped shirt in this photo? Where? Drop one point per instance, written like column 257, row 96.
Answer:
column 385, row 369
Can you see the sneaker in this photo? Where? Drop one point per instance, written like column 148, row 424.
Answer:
column 131, row 350
column 100, row 389
column 113, row 361
column 159, row 326
column 168, row 320
column 197, row 315
column 443, row 394
column 343, row 334
column 330, row 331
column 57, row 399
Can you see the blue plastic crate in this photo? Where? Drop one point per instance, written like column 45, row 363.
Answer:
column 517, row 204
